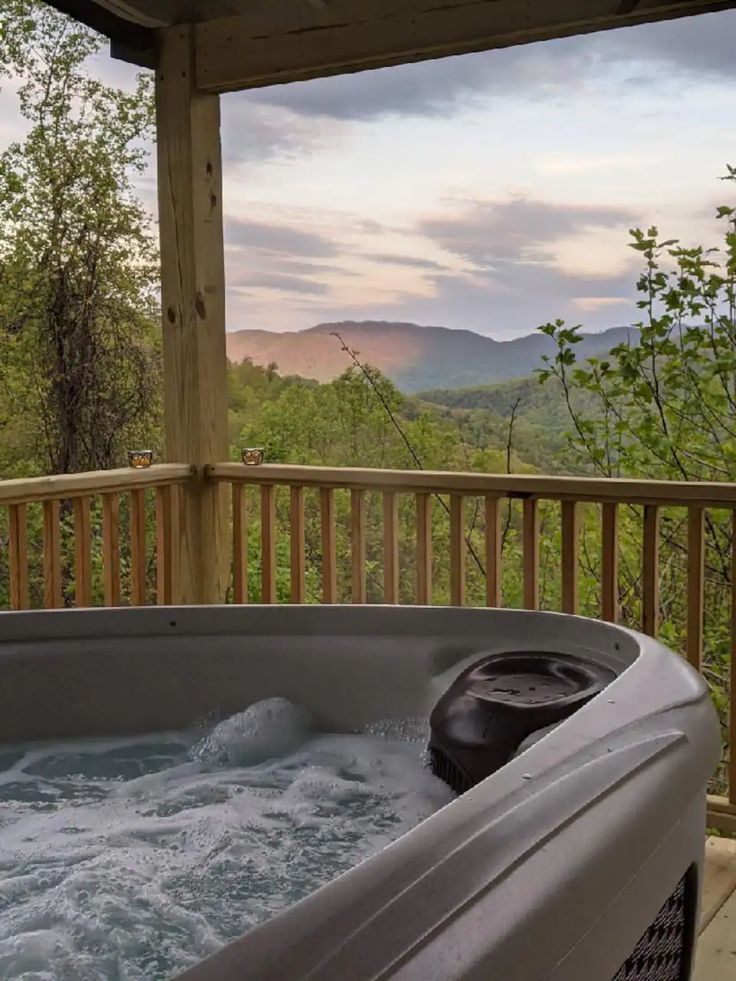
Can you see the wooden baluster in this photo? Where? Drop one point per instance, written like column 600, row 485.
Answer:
column 494, row 543
column 164, row 545
column 329, row 550
column 570, row 548
column 18, row 534
column 650, row 571
column 424, row 549
column 268, row 543
column 138, row 568
column 530, row 553
column 457, row 550
column 111, row 548
column 732, row 700
column 52, row 598
column 357, row 545
column 296, row 543
column 240, row 545
column 82, row 552
column 695, row 568
column 390, row 547
column 609, row 562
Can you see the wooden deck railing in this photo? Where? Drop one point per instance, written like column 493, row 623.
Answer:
column 72, row 525
column 312, row 534
column 575, row 501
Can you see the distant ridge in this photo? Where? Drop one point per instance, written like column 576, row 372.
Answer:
column 413, row 357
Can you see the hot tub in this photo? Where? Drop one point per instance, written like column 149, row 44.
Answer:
column 578, row 859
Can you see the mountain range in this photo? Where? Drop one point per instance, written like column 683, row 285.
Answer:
column 413, row 357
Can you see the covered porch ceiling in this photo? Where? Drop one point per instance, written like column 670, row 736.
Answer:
column 242, row 44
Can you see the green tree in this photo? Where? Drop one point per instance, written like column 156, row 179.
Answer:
column 664, row 407
column 79, row 369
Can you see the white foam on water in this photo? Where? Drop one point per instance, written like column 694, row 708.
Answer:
column 133, row 858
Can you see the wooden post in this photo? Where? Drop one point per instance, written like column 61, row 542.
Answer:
column 193, row 304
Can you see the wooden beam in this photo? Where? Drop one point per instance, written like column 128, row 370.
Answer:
column 283, row 41
column 193, row 304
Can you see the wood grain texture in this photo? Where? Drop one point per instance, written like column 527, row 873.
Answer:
column 424, row 549
column 111, row 548
column 715, row 956
column 193, row 306
column 530, row 554
column 457, row 550
column 70, row 485
column 18, row 547
column 281, row 42
column 52, row 598
column 138, row 560
column 493, row 542
column 650, row 571
column 514, row 486
column 357, row 546
column 569, row 557
column 82, row 552
column 240, row 545
column 164, row 546
column 719, row 878
column 609, row 562
column 268, row 543
column 390, row 547
column 695, row 583
column 296, row 545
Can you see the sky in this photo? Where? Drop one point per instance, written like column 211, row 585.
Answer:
column 491, row 192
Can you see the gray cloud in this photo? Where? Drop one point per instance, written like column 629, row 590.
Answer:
column 431, row 87
column 282, row 282
column 509, row 286
column 519, row 230
column 412, row 262
column 693, row 46
column 276, row 238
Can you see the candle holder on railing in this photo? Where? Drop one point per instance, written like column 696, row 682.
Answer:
column 252, row 456
column 140, row 459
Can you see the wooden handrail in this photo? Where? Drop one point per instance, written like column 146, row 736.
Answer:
column 74, row 575
column 572, row 498
column 61, row 486
column 407, row 497
column 594, row 489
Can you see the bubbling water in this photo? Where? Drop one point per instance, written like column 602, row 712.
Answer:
column 133, row 858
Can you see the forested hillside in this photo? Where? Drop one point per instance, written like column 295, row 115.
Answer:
column 413, row 357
